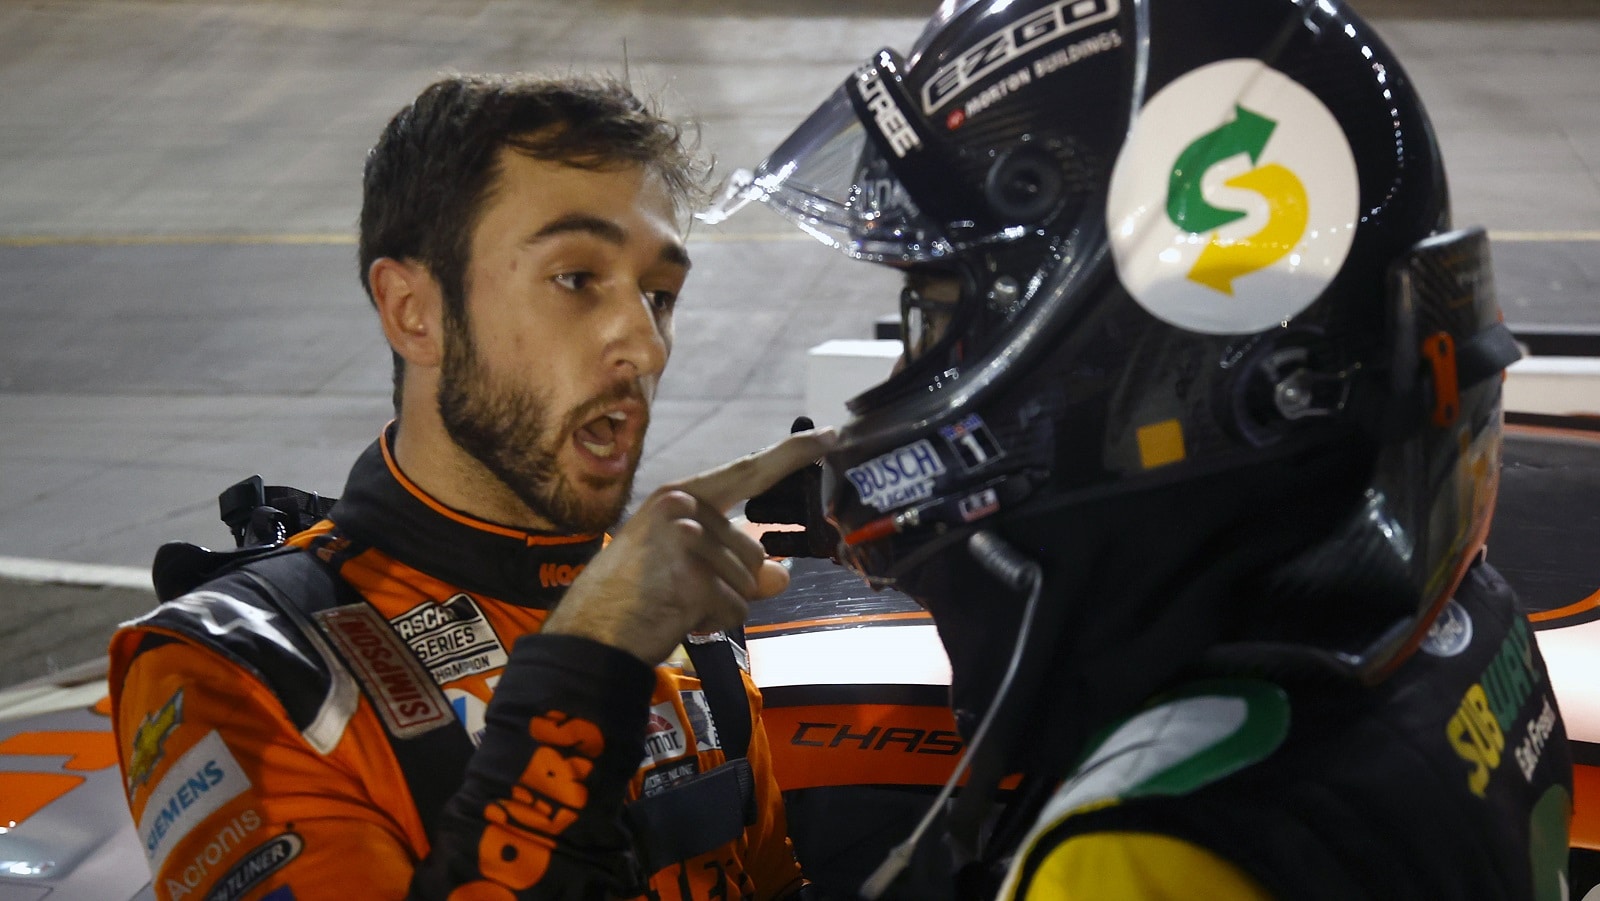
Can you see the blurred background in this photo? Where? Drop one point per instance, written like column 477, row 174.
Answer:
column 179, row 182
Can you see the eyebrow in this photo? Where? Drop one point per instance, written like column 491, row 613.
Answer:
column 607, row 231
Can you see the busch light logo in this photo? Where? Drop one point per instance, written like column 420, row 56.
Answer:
column 900, row 477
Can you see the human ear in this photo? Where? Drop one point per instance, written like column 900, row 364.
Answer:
column 410, row 307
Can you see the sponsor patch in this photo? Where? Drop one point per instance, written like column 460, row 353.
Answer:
column 976, row 506
column 972, row 442
column 1532, row 747
column 663, row 736
column 196, row 785
column 1451, row 632
column 470, row 710
column 406, row 696
column 700, row 721
column 891, row 121
column 902, row 476
column 1234, row 200
column 997, row 50
column 1024, row 76
column 558, row 575
column 230, row 838
column 260, row 863
column 150, row 739
column 1488, row 713
column 662, row 778
column 453, row 639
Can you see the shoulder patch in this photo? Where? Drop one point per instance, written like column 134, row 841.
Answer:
column 1190, row 740
column 150, row 739
column 664, row 737
column 402, row 691
column 195, row 786
column 1203, row 733
column 452, row 638
column 263, row 861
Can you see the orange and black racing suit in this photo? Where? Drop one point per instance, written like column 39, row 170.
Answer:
column 372, row 713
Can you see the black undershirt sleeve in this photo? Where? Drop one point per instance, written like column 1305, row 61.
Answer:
column 540, row 810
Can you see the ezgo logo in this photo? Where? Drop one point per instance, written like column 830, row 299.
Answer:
column 1233, row 202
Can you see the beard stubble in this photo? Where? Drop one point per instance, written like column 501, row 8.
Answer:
column 506, row 430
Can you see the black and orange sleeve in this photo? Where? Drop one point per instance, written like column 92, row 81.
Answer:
column 539, row 814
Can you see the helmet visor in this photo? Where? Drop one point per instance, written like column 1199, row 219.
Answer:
column 829, row 178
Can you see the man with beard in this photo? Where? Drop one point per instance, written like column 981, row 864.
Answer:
column 394, row 704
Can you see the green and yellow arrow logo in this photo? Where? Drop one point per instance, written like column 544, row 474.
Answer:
column 1288, row 208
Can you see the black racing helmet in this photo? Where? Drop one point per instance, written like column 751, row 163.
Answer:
column 1220, row 367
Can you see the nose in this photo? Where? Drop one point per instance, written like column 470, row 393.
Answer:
column 637, row 339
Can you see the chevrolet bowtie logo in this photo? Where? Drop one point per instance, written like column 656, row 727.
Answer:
column 150, row 739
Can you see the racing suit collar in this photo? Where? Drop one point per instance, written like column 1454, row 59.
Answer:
column 385, row 510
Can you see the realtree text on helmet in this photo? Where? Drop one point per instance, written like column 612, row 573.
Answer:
column 891, row 121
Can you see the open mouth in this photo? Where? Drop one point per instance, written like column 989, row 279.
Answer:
column 609, row 437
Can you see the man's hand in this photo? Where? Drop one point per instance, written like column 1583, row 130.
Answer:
column 679, row 565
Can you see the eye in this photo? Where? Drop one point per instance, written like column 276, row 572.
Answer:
column 574, row 281
column 661, row 300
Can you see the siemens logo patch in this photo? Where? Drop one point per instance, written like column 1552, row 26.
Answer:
column 452, row 638
column 196, row 786
column 900, row 477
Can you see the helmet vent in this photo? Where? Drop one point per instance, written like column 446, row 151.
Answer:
column 1025, row 185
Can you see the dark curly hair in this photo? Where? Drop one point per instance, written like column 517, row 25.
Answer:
column 429, row 175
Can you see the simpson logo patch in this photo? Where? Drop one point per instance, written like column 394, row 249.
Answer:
column 452, row 639
column 405, row 695
column 262, row 862
column 150, row 739
column 196, row 785
column 663, row 736
column 900, row 477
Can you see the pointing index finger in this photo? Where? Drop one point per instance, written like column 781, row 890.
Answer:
column 730, row 483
